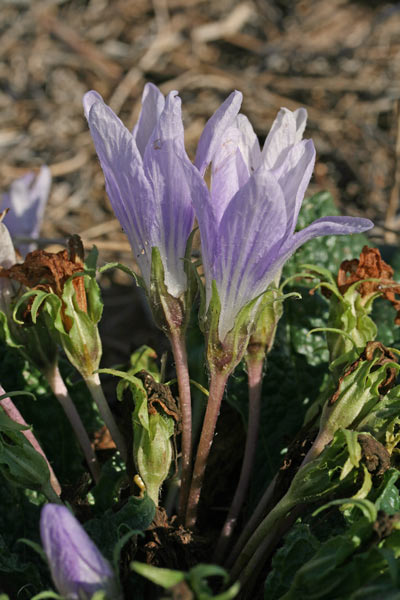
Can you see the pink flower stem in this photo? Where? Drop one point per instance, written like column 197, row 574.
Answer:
column 94, row 385
column 178, row 345
column 217, row 388
column 60, row 391
column 12, row 411
column 254, row 374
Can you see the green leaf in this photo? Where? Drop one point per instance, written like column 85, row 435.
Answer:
column 387, row 495
column 144, row 358
column 166, row 578
column 299, row 546
column 108, row 529
column 91, row 261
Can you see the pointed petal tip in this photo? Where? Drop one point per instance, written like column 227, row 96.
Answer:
column 89, row 99
column 350, row 224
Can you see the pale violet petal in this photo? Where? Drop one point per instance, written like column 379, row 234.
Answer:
column 128, row 189
column 294, row 176
column 225, row 176
column 77, row 567
column 249, row 238
column 249, row 145
column 27, row 199
column 322, row 227
column 169, row 125
column 7, row 252
column 168, row 169
column 89, row 99
column 152, row 106
column 301, row 121
column 282, row 135
column 214, row 129
column 173, row 214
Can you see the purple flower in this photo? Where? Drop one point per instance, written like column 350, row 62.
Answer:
column 77, row 567
column 148, row 179
column 27, row 198
column 247, row 220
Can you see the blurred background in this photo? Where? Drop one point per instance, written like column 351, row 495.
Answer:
column 338, row 58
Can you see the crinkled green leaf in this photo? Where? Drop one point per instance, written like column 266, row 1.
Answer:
column 299, row 546
column 107, row 529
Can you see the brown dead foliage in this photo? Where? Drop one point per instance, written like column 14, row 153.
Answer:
column 49, row 271
column 374, row 455
column 370, row 265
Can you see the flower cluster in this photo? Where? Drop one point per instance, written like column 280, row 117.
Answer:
column 247, row 218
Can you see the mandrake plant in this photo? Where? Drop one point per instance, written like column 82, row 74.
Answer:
column 291, row 352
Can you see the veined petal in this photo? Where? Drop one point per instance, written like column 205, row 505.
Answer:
column 77, row 567
column 249, row 238
column 152, row 106
column 27, row 199
column 169, row 125
column 320, row 227
column 89, row 99
column 228, row 171
column 286, row 130
column 207, row 222
column 129, row 191
column 249, row 145
column 168, row 169
column 294, row 175
column 301, row 121
column 210, row 139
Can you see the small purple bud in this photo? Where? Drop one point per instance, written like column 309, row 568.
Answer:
column 26, row 198
column 77, row 567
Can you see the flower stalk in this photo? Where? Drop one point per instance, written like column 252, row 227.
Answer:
column 94, row 386
column 59, row 389
column 182, row 372
column 254, row 375
column 217, row 388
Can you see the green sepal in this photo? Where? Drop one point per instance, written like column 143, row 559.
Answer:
column 32, row 341
column 367, row 507
column 170, row 313
column 6, row 333
column 152, row 448
column 383, row 420
column 269, row 312
column 196, row 579
column 117, row 265
column 81, row 343
column 356, row 397
column 144, row 358
column 91, row 261
column 224, row 355
column 325, row 474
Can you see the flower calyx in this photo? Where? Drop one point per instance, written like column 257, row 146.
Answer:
column 361, row 386
column 48, row 272
column 62, row 296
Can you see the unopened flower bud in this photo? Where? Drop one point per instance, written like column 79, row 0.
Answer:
column 77, row 567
